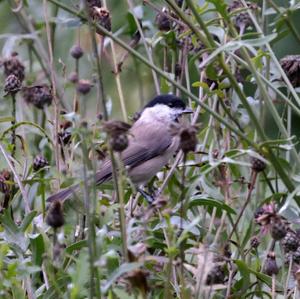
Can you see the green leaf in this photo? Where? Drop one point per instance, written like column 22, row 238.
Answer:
column 76, row 246
column 37, row 248
column 12, row 235
column 211, row 203
column 124, row 268
column 27, row 220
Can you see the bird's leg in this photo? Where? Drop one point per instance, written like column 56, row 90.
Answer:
column 149, row 198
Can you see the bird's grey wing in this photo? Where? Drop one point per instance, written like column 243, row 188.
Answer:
column 145, row 142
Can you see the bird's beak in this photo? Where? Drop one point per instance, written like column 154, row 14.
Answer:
column 187, row 110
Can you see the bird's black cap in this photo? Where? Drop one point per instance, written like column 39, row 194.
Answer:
column 167, row 99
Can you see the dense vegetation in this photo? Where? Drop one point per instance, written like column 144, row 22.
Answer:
column 224, row 222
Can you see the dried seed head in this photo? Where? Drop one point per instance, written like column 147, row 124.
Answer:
column 38, row 95
column 84, row 86
column 163, row 21
column 291, row 66
column 254, row 242
column 5, row 175
column 116, row 127
column 278, row 229
column 187, row 135
column 271, row 267
column 76, row 52
column 64, row 137
column 216, row 275
column 296, row 256
column 290, row 242
column 73, row 77
column 138, row 279
column 257, row 164
column 92, row 3
column 13, row 66
column 12, row 84
column 39, row 162
column 55, row 216
column 102, row 17
column 119, row 142
column 241, row 18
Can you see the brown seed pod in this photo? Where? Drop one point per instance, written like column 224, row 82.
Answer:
column 291, row 66
column 138, row 279
column 163, row 21
column 55, row 215
column 257, row 164
column 278, row 229
column 119, row 142
column 92, row 3
column 187, row 135
column 116, row 127
column 76, row 52
column 84, row 86
column 12, row 84
column 241, row 18
column 13, row 66
column 39, row 162
column 271, row 267
column 102, row 17
column 290, row 242
column 254, row 242
column 216, row 275
column 5, row 175
column 38, row 95
column 64, row 137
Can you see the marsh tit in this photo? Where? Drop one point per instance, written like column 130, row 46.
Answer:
column 151, row 144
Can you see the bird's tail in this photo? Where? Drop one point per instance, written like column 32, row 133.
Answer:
column 63, row 194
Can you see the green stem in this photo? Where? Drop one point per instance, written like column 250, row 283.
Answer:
column 13, row 123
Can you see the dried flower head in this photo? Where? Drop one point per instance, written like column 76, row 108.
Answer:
column 101, row 16
column 271, row 267
column 84, row 86
column 187, row 135
column 278, row 228
column 116, row 127
column 290, row 242
column 38, row 95
column 163, row 21
column 13, row 66
column 12, row 84
column 138, row 280
column 55, row 215
column 242, row 19
column 117, row 130
column 216, row 275
column 39, row 162
column 64, row 137
column 254, row 242
column 257, row 164
column 5, row 176
column 76, row 52
column 291, row 66
column 92, row 3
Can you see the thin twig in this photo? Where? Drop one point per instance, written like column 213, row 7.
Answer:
column 53, row 82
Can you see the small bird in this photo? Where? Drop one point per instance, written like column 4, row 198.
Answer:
column 150, row 147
